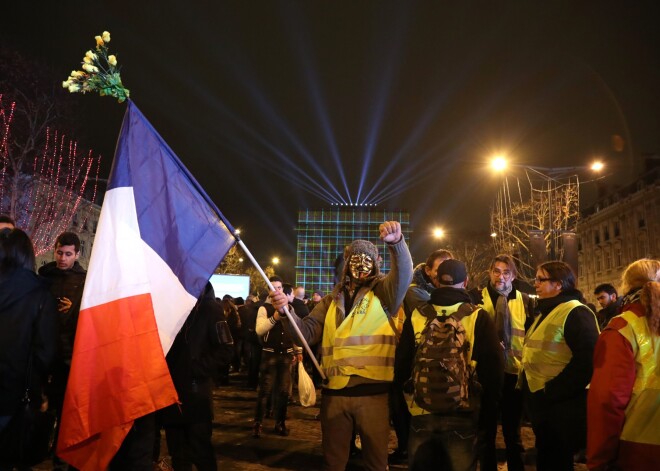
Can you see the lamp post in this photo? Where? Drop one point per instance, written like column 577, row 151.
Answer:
column 539, row 219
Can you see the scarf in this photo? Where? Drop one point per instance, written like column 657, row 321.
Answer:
column 503, row 326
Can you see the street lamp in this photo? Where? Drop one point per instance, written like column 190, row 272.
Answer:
column 275, row 260
column 542, row 217
column 438, row 233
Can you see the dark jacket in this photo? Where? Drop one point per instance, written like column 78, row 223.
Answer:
column 198, row 351
column 300, row 307
column 562, row 403
column 608, row 312
column 66, row 284
column 486, row 349
column 29, row 321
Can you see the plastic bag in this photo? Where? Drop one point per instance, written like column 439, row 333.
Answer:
column 306, row 390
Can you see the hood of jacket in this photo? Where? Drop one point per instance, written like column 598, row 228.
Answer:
column 447, row 296
column 51, row 270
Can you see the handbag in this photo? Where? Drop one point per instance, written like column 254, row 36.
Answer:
column 306, row 390
column 29, row 436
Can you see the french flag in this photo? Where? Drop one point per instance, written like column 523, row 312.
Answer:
column 158, row 241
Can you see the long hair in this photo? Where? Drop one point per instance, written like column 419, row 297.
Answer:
column 638, row 273
column 651, row 302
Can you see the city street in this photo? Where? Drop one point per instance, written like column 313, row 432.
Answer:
column 237, row 450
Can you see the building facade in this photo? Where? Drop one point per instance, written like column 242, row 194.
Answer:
column 622, row 227
column 322, row 235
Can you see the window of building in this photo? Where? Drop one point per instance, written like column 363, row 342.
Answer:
column 596, row 237
column 617, row 229
column 608, row 260
column 606, row 232
column 598, row 264
column 618, row 258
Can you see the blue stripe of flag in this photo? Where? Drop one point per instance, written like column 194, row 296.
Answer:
column 173, row 212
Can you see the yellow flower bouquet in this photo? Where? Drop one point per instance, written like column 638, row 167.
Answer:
column 99, row 72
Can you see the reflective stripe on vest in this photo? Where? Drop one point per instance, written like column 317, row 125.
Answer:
column 513, row 362
column 643, row 411
column 545, row 353
column 363, row 345
column 419, row 322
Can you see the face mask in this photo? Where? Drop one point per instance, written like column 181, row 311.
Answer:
column 360, row 265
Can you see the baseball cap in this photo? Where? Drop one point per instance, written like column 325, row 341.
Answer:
column 452, row 272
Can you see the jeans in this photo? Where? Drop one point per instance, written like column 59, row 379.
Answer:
column 275, row 377
column 442, row 442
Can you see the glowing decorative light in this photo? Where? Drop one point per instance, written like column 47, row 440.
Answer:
column 438, row 233
column 275, row 260
column 493, row 235
column 597, row 166
column 237, row 232
column 498, row 163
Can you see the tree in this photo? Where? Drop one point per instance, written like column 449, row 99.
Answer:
column 549, row 206
column 43, row 174
column 235, row 263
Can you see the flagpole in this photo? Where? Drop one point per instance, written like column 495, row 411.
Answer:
column 286, row 308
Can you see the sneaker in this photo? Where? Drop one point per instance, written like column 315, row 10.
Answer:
column 280, row 429
column 257, row 430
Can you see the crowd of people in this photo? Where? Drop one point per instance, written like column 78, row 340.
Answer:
column 587, row 381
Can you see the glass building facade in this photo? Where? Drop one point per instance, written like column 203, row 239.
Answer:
column 322, row 235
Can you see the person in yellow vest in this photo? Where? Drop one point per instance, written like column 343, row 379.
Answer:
column 557, row 366
column 423, row 282
column 512, row 312
column 447, row 441
column 358, row 339
column 624, row 396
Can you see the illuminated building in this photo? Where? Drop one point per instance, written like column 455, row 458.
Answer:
column 323, row 234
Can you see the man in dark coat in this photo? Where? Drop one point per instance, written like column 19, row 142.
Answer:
column 67, row 280
column 203, row 344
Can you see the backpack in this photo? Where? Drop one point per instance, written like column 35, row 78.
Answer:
column 441, row 373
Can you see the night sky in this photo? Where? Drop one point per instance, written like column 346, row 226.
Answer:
column 279, row 105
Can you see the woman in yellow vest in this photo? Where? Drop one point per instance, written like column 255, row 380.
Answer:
column 624, row 397
column 557, row 365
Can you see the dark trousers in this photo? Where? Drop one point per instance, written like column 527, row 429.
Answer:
column 275, row 376
column 510, row 409
column 442, row 442
column 560, row 429
column 136, row 451
column 190, row 444
column 253, row 356
column 400, row 416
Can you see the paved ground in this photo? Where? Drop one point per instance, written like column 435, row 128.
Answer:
column 300, row 451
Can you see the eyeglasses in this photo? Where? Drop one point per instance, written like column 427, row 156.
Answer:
column 505, row 274
column 541, row 280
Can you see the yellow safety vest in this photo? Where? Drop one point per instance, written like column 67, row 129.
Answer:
column 363, row 345
column 513, row 363
column 643, row 411
column 545, row 352
column 419, row 322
